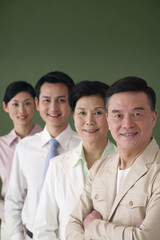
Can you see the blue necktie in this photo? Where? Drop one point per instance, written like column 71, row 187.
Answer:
column 52, row 153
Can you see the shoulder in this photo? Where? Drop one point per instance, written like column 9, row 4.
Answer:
column 31, row 140
column 7, row 138
column 37, row 128
column 105, row 164
column 65, row 158
column 75, row 136
column 110, row 149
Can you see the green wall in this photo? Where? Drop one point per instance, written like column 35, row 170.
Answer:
column 88, row 39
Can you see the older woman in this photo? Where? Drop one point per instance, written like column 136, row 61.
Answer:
column 19, row 103
column 67, row 173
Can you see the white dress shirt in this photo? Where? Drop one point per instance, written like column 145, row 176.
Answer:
column 63, row 185
column 27, row 176
column 8, row 144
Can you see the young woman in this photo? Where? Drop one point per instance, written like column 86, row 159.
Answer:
column 67, row 173
column 19, row 103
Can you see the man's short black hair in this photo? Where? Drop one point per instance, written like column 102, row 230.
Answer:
column 54, row 77
column 132, row 84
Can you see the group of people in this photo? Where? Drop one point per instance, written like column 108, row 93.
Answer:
column 84, row 187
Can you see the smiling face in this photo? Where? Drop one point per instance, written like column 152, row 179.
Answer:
column 90, row 119
column 21, row 109
column 131, row 120
column 53, row 106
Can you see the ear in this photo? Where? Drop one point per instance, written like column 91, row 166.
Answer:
column 73, row 116
column 37, row 103
column 155, row 114
column 5, row 107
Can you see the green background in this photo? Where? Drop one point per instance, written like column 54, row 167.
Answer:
column 88, row 39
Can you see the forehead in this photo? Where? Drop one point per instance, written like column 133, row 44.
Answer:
column 90, row 101
column 128, row 100
column 22, row 95
column 54, row 89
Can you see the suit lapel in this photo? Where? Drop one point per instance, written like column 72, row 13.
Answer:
column 111, row 180
column 137, row 170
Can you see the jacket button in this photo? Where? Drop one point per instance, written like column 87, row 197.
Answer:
column 131, row 203
column 96, row 197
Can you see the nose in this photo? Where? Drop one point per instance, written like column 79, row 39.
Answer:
column 127, row 122
column 21, row 108
column 90, row 119
column 53, row 106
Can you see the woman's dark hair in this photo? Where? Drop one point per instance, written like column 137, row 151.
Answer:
column 17, row 87
column 132, row 84
column 86, row 88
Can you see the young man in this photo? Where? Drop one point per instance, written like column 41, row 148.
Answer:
column 121, row 199
column 29, row 160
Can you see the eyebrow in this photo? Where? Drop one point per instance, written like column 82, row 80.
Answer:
column 28, row 99
column 63, row 96
column 134, row 109
column 94, row 108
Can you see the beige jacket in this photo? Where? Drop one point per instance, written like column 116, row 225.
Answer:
column 138, row 199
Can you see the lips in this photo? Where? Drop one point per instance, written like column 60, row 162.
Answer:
column 91, row 130
column 129, row 134
column 54, row 115
column 22, row 117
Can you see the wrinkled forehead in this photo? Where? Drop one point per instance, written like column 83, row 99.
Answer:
column 128, row 100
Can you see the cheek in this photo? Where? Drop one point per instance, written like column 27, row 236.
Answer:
column 77, row 123
column 112, row 126
column 109, row 124
column 67, row 110
column 42, row 108
column 103, row 124
column 12, row 111
column 12, row 114
column 31, row 111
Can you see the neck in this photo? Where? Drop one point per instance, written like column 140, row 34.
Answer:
column 94, row 151
column 23, row 131
column 127, row 157
column 55, row 131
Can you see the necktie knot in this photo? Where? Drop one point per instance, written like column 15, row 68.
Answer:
column 53, row 143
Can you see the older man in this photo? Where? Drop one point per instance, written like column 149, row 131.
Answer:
column 121, row 199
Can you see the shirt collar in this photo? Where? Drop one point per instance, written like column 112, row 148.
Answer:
column 63, row 138
column 81, row 157
column 12, row 137
column 45, row 136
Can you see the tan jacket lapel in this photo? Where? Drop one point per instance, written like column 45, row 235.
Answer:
column 137, row 170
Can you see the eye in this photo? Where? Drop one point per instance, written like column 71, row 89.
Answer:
column 61, row 100
column 136, row 114
column 46, row 100
column 98, row 113
column 15, row 104
column 28, row 103
column 117, row 116
column 81, row 113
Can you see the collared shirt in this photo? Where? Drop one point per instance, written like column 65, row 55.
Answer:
column 63, row 185
column 109, row 149
column 8, row 144
column 27, row 177
column 82, row 161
